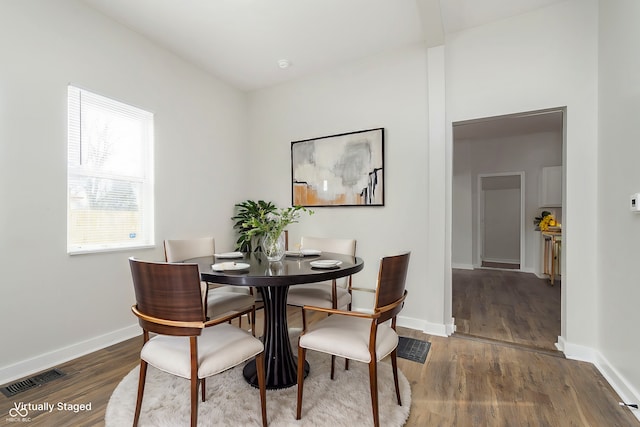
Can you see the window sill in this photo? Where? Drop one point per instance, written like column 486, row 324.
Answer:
column 93, row 250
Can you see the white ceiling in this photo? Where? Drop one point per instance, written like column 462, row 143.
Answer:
column 241, row 41
column 508, row 126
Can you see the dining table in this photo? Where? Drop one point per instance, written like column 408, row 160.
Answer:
column 273, row 279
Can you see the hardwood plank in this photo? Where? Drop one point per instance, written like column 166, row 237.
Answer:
column 464, row 382
column 506, row 306
column 471, row 383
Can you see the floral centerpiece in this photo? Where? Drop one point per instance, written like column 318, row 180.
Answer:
column 544, row 221
column 268, row 223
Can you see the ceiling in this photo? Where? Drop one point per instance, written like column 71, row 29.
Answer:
column 510, row 125
column 242, row 41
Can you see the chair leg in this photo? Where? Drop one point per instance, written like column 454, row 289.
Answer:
column 394, row 366
column 373, row 384
column 141, row 380
column 263, row 387
column 301, row 359
column 203, row 388
column 333, row 366
column 193, row 344
column 194, row 401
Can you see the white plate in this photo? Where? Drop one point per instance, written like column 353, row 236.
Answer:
column 230, row 266
column 230, row 255
column 325, row 263
column 304, row 252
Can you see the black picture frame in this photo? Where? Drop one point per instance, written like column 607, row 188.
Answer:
column 346, row 169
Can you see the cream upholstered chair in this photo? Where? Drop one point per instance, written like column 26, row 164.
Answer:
column 186, row 344
column 329, row 294
column 221, row 299
column 361, row 336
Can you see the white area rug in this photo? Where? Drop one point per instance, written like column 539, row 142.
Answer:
column 344, row 401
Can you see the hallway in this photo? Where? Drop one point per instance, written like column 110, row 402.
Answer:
column 507, row 306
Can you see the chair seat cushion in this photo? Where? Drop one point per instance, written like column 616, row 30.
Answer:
column 220, row 347
column 213, row 287
column 348, row 337
column 220, row 302
column 318, row 295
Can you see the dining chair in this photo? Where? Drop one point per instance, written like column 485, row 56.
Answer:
column 170, row 304
column 221, row 299
column 329, row 294
column 364, row 337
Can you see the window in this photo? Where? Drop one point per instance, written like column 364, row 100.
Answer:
column 110, row 174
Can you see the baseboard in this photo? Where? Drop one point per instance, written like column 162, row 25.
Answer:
column 625, row 390
column 576, row 351
column 502, row 261
column 462, row 266
column 450, row 327
column 438, row 329
column 39, row 363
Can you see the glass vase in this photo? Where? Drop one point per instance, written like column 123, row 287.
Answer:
column 273, row 246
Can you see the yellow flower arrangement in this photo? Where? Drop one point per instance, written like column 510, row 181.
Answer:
column 546, row 222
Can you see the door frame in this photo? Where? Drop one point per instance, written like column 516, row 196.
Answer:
column 480, row 216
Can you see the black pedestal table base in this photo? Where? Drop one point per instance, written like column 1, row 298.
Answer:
column 281, row 366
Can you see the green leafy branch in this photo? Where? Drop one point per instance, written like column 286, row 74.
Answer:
column 256, row 219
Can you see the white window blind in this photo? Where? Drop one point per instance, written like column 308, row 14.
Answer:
column 110, row 174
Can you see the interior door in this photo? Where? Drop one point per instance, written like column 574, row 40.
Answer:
column 501, row 221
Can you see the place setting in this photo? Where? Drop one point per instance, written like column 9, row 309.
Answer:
column 301, row 253
column 230, row 265
column 325, row 264
column 229, row 255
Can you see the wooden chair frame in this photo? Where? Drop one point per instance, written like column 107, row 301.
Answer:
column 191, row 327
column 182, row 243
column 381, row 314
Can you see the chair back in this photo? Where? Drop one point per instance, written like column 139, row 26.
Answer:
column 167, row 291
column 177, row 250
column 326, row 244
column 391, row 284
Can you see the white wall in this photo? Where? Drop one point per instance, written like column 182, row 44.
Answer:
column 543, row 59
column 618, row 229
column 54, row 306
column 527, row 153
column 386, row 91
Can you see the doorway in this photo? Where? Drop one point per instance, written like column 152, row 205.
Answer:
column 501, row 220
column 491, row 229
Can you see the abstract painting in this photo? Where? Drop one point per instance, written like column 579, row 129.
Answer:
column 339, row 170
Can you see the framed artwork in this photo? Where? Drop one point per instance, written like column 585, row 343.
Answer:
column 339, row 170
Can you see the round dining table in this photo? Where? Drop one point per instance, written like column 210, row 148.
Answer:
column 272, row 279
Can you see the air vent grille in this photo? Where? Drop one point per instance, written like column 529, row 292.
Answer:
column 413, row 349
column 29, row 383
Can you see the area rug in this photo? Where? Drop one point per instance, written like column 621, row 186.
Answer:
column 345, row 401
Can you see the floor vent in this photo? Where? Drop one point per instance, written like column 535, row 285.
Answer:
column 413, row 349
column 29, row 383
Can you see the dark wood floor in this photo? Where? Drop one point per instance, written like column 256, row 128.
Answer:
column 507, row 306
column 464, row 382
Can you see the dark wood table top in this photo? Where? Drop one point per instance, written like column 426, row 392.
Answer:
column 292, row 270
